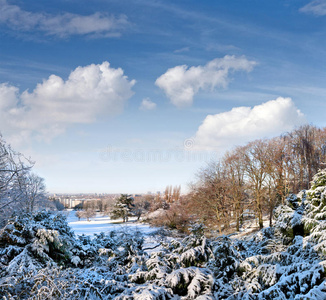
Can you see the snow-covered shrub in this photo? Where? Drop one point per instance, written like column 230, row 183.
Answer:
column 196, row 252
column 289, row 217
column 190, row 282
column 148, row 292
column 226, row 259
column 40, row 258
column 42, row 236
column 305, row 214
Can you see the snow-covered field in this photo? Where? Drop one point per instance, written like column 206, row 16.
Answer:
column 104, row 224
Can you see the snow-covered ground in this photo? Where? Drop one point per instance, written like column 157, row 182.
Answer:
column 104, row 224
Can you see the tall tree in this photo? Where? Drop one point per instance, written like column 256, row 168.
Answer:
column 210, row 197
column 123, row 207
column 234, row 167
column 168, row 196
column 255, row 163
column 307, row 148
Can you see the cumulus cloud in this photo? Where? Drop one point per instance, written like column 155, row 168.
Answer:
column 243, row 124
column 181, row 83
column 55, row 104
column 317, row 7
column 147, row 104
column 62, row 25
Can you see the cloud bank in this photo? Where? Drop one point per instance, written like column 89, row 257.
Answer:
column 243, row 124
column 181, row 83
column 55, row 104
column 62, row 25
column 317, row 7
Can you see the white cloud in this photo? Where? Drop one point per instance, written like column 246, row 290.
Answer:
column 54, row 104
column 182, row 50
column 243, row 124
column 317, row 7
column 181, row 83
column 147, row 104
column 61, row 25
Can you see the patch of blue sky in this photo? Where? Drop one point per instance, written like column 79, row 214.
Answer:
column 145, row 39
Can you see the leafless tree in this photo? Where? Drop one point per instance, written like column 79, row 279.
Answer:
column 210, row 197
column 233, row 164
column 255, row 165
column 32, row 191
column 13, row 167
column 88, row 213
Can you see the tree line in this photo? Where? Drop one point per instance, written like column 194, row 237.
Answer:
column 251, row 180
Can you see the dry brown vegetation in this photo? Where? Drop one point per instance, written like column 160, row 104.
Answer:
column 249, row 181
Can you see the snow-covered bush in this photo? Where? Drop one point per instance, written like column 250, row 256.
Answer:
column 40, row 258
column 44, row 237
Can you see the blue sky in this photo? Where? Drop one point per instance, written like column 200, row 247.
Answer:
column 131, row 96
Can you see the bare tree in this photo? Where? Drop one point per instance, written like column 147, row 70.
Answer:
column 13, row 167
column 88, row 213
column 79, row 214
column 255, row 164
column 32, row 191
column 168, row 196
column 210, row 197
column 176, row 193
column 142, row 205
column 233, row 164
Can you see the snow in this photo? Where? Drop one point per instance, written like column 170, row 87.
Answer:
column 283, row 262
column 104, row 224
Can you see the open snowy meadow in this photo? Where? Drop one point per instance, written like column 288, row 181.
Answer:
column 104, row 224
column 101, row 223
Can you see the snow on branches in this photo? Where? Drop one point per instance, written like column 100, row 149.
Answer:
column 40, row 258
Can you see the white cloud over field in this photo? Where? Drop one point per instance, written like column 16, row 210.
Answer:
column 61, row 25
column 181, row 83
column 55, row 104
column 243, row 124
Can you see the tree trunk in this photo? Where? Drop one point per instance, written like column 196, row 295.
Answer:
column 271, row 218
column 260, row 219
column 238, row 219
column 259, row 211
